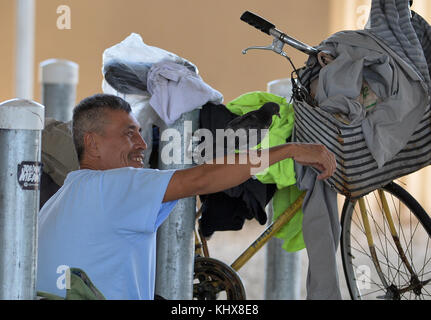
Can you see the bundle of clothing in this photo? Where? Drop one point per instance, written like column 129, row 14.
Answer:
column 159, row 85
column 228, row 210
column 392, row 59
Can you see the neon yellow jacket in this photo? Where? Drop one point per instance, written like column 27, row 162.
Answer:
column 281, row 173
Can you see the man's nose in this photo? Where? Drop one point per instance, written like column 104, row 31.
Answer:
column 140, row 142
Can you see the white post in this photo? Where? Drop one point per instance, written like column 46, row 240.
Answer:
column 24, row 61
column 59, row 79
column 282, row 268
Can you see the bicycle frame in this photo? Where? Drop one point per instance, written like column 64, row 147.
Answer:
column 392, row 292
column 268, row 233
column 201, row 247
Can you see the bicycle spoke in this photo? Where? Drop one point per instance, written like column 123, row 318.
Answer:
column 425, row 255
column 397, row 230
column 360, row 226
column 398, row 216
column 410, row 243
column 383, row 263
column 386, row 237
column 373, row 292
column 384, row 225
column 365, row 252
column 399, row 273
column 370, row 280
column 424, row 274
column 388, row 264
column 410, row 251
column 427, row 293
column 378, row 228
column 376, row 225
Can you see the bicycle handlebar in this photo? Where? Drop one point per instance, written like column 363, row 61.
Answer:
column 268, row 28
column 257, row 22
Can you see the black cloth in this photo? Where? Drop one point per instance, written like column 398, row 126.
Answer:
column 227, row 210
column 47, row 188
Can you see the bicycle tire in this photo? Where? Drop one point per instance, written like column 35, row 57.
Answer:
column 363, row 279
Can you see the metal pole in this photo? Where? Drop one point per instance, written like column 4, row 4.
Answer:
column 175, row 241
column 282, row 268
column 59, row 79
column 24, row 61
column 21, row 124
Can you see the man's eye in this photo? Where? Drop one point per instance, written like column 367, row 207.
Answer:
column 130, row 133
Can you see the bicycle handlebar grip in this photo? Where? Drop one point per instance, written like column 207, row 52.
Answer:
column 257, row 22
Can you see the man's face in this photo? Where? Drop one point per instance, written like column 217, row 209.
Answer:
column 120, row 145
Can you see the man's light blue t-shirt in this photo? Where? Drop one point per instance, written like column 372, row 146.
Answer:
column 105, row 223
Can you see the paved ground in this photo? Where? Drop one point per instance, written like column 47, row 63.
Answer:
column 228, row 245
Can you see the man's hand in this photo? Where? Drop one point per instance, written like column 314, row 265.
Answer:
column 315, row 155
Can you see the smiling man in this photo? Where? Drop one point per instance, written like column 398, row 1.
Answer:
column 105, row 217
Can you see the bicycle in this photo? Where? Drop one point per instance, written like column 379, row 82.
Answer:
column 383, row 227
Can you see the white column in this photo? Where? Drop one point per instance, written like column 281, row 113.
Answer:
column 59, row 79
column 24, row 61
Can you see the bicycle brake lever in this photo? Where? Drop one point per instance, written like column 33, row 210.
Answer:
column 276, row 46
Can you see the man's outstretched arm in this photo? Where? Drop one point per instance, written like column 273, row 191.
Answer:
column 211, row 178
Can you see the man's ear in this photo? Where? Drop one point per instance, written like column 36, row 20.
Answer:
column 91, row 144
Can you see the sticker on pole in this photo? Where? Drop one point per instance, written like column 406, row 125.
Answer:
column 29, row 174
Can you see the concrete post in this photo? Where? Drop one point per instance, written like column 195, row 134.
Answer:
column 21, row 123
column 59, row 79
column 175, row 241
column 282, row 268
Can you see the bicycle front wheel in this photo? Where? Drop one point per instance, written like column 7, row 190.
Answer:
column 385, row 246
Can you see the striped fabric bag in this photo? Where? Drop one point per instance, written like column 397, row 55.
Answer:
column 357, row 172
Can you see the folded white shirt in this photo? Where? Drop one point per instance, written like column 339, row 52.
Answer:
column 175, row 89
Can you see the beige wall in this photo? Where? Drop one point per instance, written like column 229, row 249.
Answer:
column 208, row 33
column 353, row 14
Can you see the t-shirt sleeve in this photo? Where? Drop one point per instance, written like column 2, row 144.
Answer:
column 132, row 198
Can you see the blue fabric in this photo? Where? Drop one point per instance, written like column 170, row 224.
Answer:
column 105, row 223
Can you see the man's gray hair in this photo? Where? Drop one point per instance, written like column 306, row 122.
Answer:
column 88, row 116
